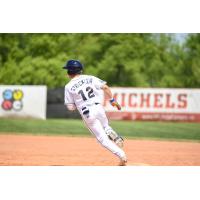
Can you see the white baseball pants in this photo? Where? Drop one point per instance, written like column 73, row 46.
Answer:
column 97, row 122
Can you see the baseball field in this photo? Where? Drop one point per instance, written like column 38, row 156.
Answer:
column 64, row 142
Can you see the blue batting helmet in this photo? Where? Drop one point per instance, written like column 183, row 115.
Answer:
column 73, row 67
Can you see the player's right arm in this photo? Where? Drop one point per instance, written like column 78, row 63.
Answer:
column 100, row 84
column 108, row 93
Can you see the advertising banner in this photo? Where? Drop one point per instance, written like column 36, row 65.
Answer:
column 23, row 101
column 156, row 104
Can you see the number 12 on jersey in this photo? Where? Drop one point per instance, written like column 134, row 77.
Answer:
column 89, row 92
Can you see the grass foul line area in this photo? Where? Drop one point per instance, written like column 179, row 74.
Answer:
column 128, row 129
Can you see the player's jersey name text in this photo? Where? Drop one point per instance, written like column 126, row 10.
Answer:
column 80, row 83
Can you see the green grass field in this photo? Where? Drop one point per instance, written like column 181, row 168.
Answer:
column 128, row 129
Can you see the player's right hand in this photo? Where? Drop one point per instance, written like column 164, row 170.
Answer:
column 114, row 103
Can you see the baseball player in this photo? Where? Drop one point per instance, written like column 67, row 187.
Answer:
column 83, row 92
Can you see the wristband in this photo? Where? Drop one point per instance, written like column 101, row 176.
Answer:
column 112, row 100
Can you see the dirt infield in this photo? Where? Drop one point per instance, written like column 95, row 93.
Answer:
column 76, row 151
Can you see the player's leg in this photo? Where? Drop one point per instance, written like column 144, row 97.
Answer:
column 97, row 130
column 108, row 129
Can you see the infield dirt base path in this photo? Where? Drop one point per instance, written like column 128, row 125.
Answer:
column 26, row 150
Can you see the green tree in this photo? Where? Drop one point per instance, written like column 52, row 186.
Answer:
column 139, row 60
column 191, row 67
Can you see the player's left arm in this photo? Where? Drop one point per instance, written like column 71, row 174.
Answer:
column 69, row 102
column 71, row 107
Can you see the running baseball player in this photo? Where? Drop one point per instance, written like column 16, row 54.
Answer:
column 83, row 92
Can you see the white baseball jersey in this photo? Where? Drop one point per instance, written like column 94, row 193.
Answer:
column 83, row 90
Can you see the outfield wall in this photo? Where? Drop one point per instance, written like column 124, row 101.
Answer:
column 23, row 101
column 156, row 104
column 137, row 103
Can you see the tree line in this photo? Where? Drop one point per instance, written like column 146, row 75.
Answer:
column 122, row 59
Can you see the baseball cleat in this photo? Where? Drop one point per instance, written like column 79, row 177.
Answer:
column 123, row 162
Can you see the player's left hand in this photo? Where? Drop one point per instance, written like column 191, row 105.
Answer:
column 114, row 103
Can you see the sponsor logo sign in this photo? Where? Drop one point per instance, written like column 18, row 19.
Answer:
column 12, row 99
column 23, row 101
column 156, row 104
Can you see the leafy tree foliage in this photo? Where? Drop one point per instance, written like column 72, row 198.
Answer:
column 139, row 60
column 191, row 67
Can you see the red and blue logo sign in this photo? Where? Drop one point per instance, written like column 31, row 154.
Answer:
column 12, row 100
